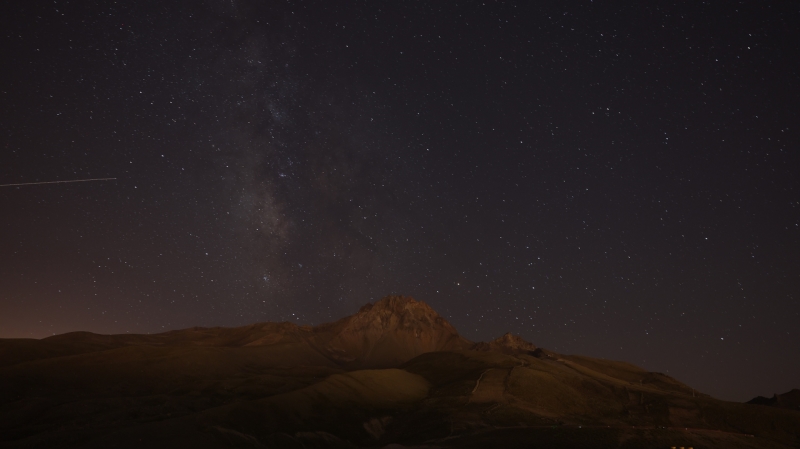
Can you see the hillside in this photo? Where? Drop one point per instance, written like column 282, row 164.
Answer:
column 789, row 400
column 394, row 373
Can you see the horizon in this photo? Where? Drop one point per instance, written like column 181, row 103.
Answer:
column 357, row 312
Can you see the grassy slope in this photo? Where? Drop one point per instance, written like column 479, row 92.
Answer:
column 133, row 385
column 340, row 404
column 199, row 386
column 570, row 392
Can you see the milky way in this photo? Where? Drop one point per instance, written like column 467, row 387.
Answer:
column 604, row 180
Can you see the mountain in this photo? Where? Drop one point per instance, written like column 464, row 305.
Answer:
column 395, row 374
column 390, row 332
column 387, row 333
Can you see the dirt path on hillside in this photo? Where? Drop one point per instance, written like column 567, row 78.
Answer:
column 490, row 387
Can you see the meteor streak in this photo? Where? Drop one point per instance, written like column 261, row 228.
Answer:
column 56, row 182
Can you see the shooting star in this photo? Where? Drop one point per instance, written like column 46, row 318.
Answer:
column 56, row 182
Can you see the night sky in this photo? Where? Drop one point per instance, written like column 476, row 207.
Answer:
column 611, row 180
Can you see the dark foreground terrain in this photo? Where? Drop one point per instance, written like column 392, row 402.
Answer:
column 396, row 374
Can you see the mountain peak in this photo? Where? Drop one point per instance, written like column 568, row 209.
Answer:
column 393, row 330
column 509, row 340
column 508, row 343
column 396, row 303
column 399, row 313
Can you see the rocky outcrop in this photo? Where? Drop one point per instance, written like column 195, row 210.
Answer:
column 508, row 344
column 392, row 331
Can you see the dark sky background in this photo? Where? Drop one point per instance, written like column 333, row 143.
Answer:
column 612, row 180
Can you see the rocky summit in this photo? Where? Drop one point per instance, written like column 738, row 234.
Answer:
column 392, row 331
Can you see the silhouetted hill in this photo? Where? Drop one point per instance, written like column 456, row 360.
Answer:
column 387, row 333
column 789, row 400
column 394, row 373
